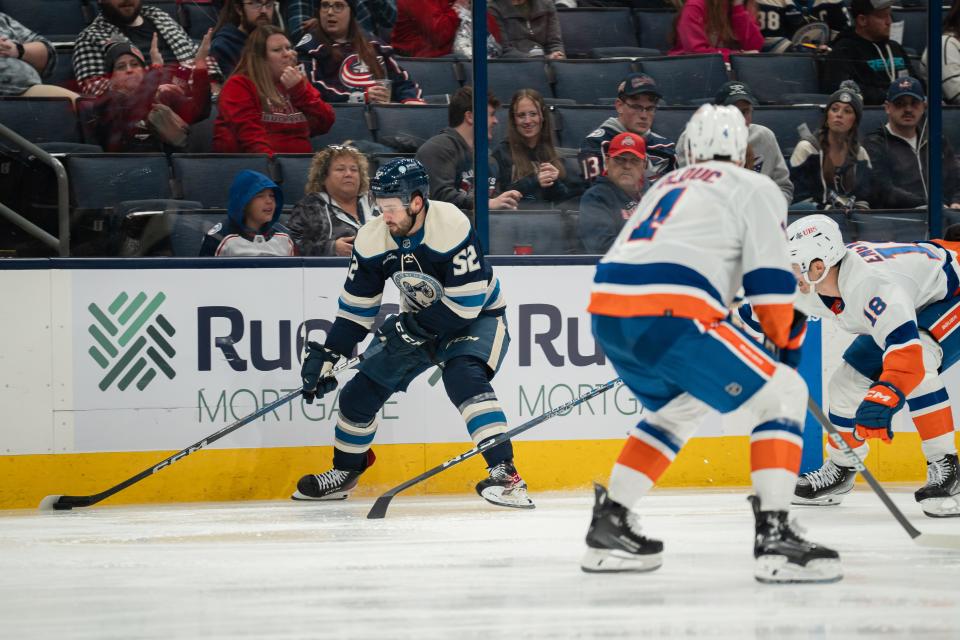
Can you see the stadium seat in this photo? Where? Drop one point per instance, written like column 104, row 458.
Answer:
column 654, row 27
column 351, row 124
column 58, row 20
column 951, row 127
column 197, row 18
column 574, row 123
column 41, row 119
column 623, row 52
column 671, row 121
column 62, row 75
column 914, row 28
column 542, row 232
column 434, row 75
column 783, row 121
column 99, row 181
column 686, row 79
column 207, row 177
column 399, row 126
column 584, row 29
column 506, row 76
column 873, row 118
column 773, row 77
column 292, row 170
column 200, row 138
column 586, row 81
column 889, row 226
column 187, row 228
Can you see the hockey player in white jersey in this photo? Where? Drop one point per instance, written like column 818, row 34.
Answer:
column 901, row 299
column 659, row 305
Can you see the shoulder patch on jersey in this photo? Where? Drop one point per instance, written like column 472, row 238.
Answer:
column 596, row 133
column 215, row 229
column 419, row 289
column 373, row 239
column 446, row 227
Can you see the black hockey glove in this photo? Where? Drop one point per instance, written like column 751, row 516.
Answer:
column 315, row 371
column 402, row 333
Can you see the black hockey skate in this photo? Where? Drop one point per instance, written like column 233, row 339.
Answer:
column 335, row 484
column 940, row 497
column 827, row 485
column 504, row 487
column 614, row 541
column 784, row 556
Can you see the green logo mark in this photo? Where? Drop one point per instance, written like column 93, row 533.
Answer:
column 121, row 347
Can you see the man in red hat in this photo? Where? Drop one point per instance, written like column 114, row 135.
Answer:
column 609, row 202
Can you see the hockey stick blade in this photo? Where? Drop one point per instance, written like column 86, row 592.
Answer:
column 66, row 503
column 934, row 540
column 380, row 506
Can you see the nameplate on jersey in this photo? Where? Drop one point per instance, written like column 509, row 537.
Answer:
column 419, row 289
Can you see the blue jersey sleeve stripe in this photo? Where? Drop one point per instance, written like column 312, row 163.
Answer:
column 469, row 301
column 928, row 399
column 903, row 334
column 369, row 312
column 845, row 423
column 766, row 281
column 654, row 273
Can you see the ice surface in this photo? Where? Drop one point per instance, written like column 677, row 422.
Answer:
column 458, row 568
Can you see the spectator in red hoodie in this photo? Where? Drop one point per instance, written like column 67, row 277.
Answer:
column 716, row 26
column 267, row 105
column 427, row 28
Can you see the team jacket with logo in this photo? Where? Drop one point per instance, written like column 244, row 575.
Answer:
column 661, row 155
column 882, row 286
column 781, row 18
column 440, row 271
column 697, row 236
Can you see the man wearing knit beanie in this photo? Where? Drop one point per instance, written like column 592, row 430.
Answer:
column 866, row 54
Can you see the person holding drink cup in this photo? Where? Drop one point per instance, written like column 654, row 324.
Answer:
column 346, row 66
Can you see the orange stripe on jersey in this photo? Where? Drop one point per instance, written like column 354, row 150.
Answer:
column 775, row 319
column 640, row 456
column 774, row 453
column 903, row 368
column 934, row 424
column 945, row 324
column 747, row 350
column 652, row 304
column 948, row 245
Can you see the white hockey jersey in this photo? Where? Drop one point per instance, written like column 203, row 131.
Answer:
column 883, row 285
column 697, row 236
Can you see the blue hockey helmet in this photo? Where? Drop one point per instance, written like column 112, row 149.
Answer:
column 401, row 178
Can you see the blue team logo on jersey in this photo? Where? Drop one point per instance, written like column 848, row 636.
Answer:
column 418, row 289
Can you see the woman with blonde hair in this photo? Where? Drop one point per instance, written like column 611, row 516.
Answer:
column 336, row 205
column 267, row 105
column 527, row 160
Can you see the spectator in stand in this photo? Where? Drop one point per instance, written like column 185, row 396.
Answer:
column 375, row 16
column 448, row 157
column 950, row 55
column 528, row 28
column 867, row 55
column 899, row 153
column 336, row 205
column 238, row 18
column 347, row 67
column 428, row 28
column 780, row 19
column 527, row 161
column 251, row 227
column 128, row 114
column 267, row 105
column 763, row 152
column 831, row 170
column 609, row 203
column 715, row 26
column 26, row 58
column 636, row 105
column 129, row 20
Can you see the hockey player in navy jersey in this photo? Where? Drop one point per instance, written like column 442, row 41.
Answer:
column 452, row 314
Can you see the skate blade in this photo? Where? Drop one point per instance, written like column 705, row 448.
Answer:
column 771, row 569
column 824, row 501
column 618, row 561
column 339, row 495
column 496, row 495
column 941, row 507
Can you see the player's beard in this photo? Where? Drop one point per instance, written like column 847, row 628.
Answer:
column 115, row 17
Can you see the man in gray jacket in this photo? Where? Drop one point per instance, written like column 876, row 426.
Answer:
column 26, row 58
column 763, row 151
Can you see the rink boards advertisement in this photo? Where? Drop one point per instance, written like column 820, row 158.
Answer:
column 118, row 364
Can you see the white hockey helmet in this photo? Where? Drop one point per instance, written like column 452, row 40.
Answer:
column 815, row 237
column 716, row 133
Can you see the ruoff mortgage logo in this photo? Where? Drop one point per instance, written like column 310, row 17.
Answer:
column 131, row 341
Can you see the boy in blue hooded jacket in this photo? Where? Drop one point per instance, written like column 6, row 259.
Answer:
column 251, row 227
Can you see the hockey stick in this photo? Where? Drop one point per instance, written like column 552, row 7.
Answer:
column 65, row 503
column 379, row 509
column 936, row 540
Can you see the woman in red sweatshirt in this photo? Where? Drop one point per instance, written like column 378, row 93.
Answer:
column 267, row 105
column 716, row 26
